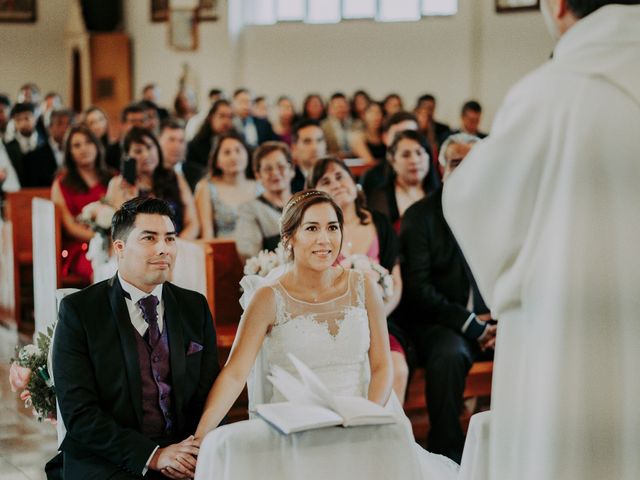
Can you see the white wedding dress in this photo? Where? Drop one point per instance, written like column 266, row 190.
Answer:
column 332, row 338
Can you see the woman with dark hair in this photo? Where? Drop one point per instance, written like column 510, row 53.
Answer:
column 287, row 118
column 313, row 108
column 153, row 179
column 359, row 103
column 369, row 233
column 96, row 119
column 367, row 144
column 227, row 186
column 84, row 180
column 219, row 121
column 331, row 319
column 412, row 177
column 392, row 103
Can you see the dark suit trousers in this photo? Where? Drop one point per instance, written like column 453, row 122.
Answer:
column 446, row 357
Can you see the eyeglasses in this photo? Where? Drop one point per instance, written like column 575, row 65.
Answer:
column 281, row 168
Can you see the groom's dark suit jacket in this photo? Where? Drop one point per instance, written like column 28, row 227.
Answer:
column 98, row 383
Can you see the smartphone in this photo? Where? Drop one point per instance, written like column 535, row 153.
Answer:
column 129, row 170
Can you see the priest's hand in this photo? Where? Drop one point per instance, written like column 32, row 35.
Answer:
column 178, row 460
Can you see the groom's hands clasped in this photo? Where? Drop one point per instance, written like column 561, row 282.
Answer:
column 177, row 461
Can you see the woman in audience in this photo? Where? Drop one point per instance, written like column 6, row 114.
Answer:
column 218, row 122
column 359, row 103
column 392, row 103
column 367, row 144
column 226, row 188
column 152, row 178
column 84, row 180
column 313, row 108
column 369, row 233
column 184, row 106
column 258, row 226
column 411, row 179
column 286, row 119
column 96, row 119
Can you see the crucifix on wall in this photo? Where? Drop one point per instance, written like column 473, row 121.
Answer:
column 183, row 17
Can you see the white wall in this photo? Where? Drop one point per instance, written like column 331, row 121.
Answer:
column 35, row 51
column 477, row 53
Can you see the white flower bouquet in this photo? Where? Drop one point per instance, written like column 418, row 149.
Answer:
column 377, row 272
column 265, row 261
column 29, row 375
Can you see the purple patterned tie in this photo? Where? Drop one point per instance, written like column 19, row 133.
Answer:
column 148, row 306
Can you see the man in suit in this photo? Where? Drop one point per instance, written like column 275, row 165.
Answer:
column 337, row 126
column 442, row 308
column 26, row 137
column 470, row 117
column 42, row 164
column 308, row 145
column 255, row 130
column 134, row 358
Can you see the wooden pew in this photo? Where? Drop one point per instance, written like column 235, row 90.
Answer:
column 478, row 384
column 18, row 214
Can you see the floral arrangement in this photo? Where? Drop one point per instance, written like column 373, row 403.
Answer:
column 265, row 261
column 29, row 375
column 98, row 216
column 370, row 267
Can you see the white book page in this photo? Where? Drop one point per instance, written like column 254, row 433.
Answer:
column 360, row 411
column 291, row 388
column 313, row 383
column 289, row 418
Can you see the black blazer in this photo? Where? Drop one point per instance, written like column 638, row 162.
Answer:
column 17, row 160
column 435, row 277
column 97, row 376
column 40, row 167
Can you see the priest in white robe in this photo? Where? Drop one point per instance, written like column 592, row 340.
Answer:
column 547, row 212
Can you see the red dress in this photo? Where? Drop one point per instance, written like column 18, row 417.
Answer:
column 74, row 260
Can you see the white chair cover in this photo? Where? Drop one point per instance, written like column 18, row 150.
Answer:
column 45, row 277
column 475, row 458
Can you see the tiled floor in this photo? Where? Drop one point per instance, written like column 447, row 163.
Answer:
column 25, row 444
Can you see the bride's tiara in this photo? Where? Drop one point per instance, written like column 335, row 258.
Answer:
column 299, row 198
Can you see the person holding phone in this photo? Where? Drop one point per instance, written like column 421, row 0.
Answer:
column 142, row 174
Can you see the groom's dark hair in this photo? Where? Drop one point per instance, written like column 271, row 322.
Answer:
column 124, row 219
column 582, row 8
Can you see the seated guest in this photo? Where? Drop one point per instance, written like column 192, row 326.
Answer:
column 184, row 105
column 152, row 113
column 151, row 93
column 173, row 145
column 134, row 358
column 5, row 110
column 412, row 177
column 153, row 179
column 226, row 188
column 442, row 308
column 287, row 118
column 219, row 121
column 132, row 116
column 392, row 104
column 308, row 145
column 337, row 126
column 195, row 122
column 84, row 180
column 377, row 176
column 369, row 233
column 470, row 117
column 359, row 103
column 26, row 138
column 96, row 119
column 434, row 131
column 313, row 108
column 260, row 108
column 258, row 226
column 367, row 143
column 254, row 130
column 42, row 164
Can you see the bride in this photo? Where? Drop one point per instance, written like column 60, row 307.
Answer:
column 330, row 318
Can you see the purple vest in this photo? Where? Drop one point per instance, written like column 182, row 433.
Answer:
column 155, row 373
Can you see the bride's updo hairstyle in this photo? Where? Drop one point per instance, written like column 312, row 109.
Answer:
column 294, row 212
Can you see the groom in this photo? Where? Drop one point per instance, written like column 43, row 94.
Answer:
column 134, row 359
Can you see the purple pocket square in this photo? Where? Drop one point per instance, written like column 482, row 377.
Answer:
column 194, row 348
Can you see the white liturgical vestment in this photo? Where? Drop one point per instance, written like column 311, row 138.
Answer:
column 547, row 212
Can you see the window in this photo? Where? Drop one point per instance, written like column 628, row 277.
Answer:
column 268, row 12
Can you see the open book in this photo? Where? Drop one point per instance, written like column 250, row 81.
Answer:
column 310, row 404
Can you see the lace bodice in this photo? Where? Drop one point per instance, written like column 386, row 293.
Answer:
column 331, row 337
